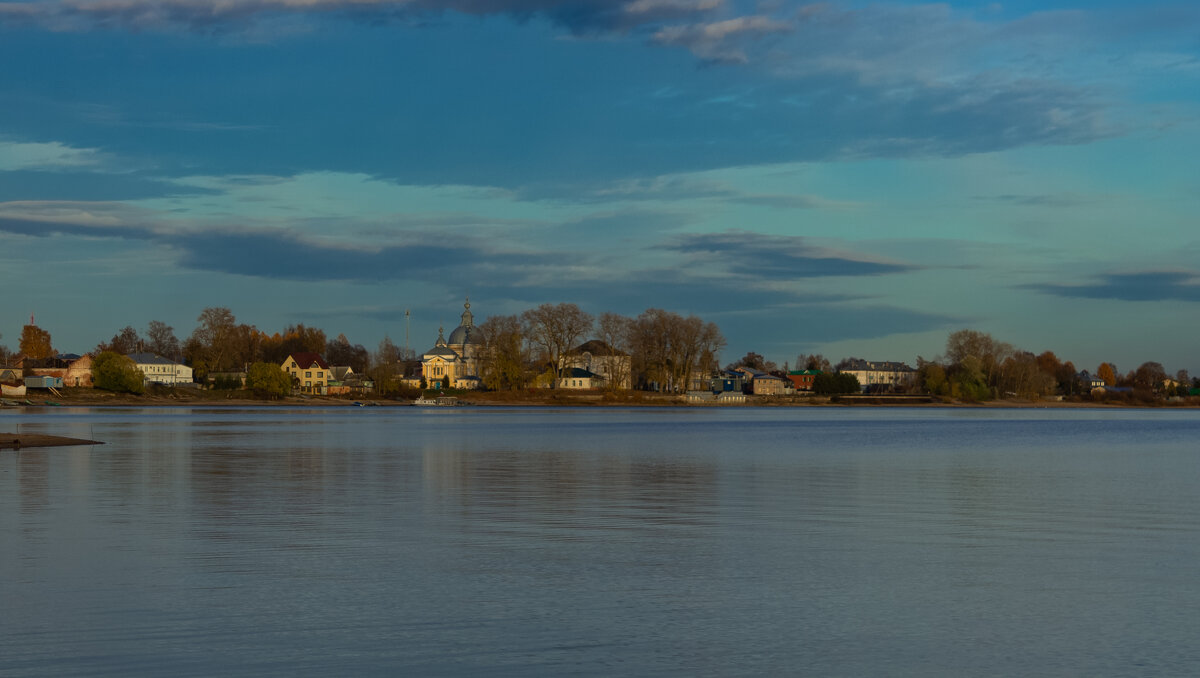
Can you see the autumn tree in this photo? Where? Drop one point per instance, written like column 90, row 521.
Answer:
column 506, row 353
column 1107, row 372
column 556, row 329
column 1022, row 374
column 35, row 343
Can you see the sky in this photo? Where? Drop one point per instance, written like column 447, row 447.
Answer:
column 845, row 178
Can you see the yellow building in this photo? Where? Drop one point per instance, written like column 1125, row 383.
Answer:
column 456, row 359
column 310, row 373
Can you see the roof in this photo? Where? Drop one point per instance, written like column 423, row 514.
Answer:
column 798, row 373
column 150, row 359
column 764, row 375
column 308, row 359
column 597, row 347
column 441, row 351
column 579, row 373
column 873, row 366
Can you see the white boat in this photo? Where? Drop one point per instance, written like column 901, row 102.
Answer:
column 438, row 401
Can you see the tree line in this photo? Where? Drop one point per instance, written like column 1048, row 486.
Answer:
column 976, row 366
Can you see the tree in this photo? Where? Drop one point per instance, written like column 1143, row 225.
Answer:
column 556, row 329
column 813, row 361
column 613, row 331
column 669, row 348
column 1107, row 372
column 506, row 353
column 833, row 384
column 1149, row 376
column 112, row 371
column 35, row 343
column 211, row 346
column 989, row 353
column 752, row 360
column 161, row 340
column 384, row 367
column 267, row 380
column 341, row 352
column 124, row 342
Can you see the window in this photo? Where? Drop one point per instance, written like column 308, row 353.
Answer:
column 308, row 374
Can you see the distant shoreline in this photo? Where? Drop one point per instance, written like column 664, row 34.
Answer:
column 551, row 398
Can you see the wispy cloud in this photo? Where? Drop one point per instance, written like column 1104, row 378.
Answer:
column 234, row 15
column 720, row 41
column 47, row 156
column 1141, row 286
column 767, row 257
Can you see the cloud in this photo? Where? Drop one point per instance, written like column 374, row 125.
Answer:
column 579, row 16
column 1038, row 200
column 46, row 156
column 1142, row 286
column 767, row 257
column 719, row 41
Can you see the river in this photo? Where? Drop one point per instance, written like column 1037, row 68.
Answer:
column 602, row 542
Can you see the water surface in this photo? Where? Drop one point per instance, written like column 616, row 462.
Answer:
column 600, row 542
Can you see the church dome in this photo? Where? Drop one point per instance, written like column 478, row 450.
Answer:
column 466, row 333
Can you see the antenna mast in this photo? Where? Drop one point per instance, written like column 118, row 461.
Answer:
column 406, row 314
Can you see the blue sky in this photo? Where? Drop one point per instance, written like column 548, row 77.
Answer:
column 845, row 178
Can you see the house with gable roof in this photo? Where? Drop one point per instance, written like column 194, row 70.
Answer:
column 310, row 373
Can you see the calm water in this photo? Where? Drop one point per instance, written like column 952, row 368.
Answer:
column 691, row 542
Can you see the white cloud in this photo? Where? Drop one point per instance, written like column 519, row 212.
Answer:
column 17, row 155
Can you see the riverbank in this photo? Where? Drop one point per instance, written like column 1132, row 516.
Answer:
column 179, row 397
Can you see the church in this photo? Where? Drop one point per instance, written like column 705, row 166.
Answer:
column 456, row 359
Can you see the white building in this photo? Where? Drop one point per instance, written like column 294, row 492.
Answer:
column 159, row 370
column 880, row 376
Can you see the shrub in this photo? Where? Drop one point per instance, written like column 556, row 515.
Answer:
column 115, row 372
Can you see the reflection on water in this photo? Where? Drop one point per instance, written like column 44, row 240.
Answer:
column 601, row 542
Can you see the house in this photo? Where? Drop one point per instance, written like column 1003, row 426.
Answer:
column 768, row 384
column 69, row 368
column 614, row 367
column 577, row 377
column 728, row 382
column 1088, row 382
column 880, row 376
column 802, row 380
column 310, row 373
column 159, row 370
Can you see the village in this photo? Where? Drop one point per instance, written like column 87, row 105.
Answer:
column 556, row 348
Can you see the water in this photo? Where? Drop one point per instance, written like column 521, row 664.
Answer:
column 649, row 542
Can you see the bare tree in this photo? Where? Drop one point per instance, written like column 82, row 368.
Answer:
column 161, row 340
column 668, row 348
column 556, row 329
column 505, row 353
